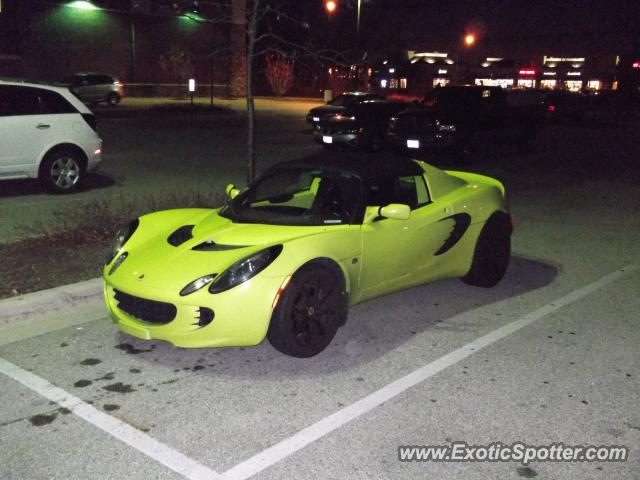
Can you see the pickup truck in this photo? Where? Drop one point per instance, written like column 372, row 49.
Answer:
column 361, row 125
column 460, row 119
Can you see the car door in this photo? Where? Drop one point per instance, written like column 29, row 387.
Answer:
column 397, row 253
column 24, row 130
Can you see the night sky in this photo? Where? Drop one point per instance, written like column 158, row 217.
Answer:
column 441, row 23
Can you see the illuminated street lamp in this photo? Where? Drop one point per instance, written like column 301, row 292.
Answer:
column 469, row 39
column 82, row 5
column 331, row 6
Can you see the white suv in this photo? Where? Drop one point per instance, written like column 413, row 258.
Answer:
column 46, row 133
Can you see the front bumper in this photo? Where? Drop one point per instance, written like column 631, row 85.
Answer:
column 241, row 314
column 342, row 138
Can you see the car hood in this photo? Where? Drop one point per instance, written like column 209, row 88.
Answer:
column 201, row 246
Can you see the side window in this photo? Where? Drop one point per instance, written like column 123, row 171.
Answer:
column 409, row 190
column 53, row 102
column 16, row 100
column 6, row 102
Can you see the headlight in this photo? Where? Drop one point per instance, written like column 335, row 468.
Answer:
column 244, row 269
column 447, row 128
column 121, row 238
column 197, row 285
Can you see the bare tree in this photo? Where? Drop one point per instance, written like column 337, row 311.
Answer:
column 259, row 40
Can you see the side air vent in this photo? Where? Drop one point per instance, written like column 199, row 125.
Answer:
column 211, row 246
column 460, row 226
column 181, row 235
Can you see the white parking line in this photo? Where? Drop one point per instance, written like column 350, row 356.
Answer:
column 289, row 446
column 124, row 432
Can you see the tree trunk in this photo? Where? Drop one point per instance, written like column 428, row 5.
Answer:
column 251, row 113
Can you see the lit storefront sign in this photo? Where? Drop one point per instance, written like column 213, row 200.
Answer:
column 548, row 83
column 573, row 85
column 526, row 82
column 574, row 74
column 635, row 65
column 549, row 74
column 527, row 72
column 442, row 82
column 442, row 71
column 594, row 85
column 494, row 82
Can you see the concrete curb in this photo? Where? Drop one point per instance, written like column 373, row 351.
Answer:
column 50, row 300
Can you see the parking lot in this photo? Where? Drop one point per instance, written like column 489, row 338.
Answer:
column 548, row 356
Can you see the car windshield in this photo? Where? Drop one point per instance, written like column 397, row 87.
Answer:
column 345, row 100
column 298, row 196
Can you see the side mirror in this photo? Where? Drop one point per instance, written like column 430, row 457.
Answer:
column 397, row 211
column 231, row 191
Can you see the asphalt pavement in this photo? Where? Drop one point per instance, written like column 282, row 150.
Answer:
column 549, row 355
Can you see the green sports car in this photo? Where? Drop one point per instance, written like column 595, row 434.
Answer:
column 288, row 255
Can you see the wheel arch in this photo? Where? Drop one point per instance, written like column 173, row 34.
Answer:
column 61, row 146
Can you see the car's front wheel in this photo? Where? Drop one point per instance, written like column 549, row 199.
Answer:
column 62, row 170
column 492, row 253
column 309, row 312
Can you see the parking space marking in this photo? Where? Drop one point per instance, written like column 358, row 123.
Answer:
column 124, row 432
column 300, row 440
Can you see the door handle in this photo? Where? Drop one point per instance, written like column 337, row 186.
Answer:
column 42, row 126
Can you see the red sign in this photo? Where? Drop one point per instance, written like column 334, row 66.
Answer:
column 636, row 65
column 527, row 71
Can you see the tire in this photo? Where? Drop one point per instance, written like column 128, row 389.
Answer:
column 62, row 170
column 113, row 99
column 310, row 311
column 492, row 253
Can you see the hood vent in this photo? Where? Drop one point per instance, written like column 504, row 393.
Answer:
column 211, row 246
column 181, row 235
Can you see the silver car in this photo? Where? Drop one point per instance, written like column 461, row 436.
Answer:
column 95, row 88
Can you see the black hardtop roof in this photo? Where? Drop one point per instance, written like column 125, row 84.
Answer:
column 368, row 168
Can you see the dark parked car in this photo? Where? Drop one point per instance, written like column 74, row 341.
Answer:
column 339, row 104
column 362, row 125
column 462, row 118
column 95, row 88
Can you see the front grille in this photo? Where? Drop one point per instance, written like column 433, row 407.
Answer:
column 148, row 311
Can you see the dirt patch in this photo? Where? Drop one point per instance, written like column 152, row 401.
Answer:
column 46, row 262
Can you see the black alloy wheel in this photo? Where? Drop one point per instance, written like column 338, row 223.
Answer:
column 309, row 312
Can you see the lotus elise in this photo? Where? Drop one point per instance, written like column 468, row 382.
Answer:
column 287, row 256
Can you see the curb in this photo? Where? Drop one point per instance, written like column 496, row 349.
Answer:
column 53, row 299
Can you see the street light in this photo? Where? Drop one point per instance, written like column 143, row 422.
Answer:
column 331, row 6
column 82, row 5
column 469, row 39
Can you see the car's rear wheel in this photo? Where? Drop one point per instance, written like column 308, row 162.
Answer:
column 113, row 99
column 492, row 253
column 62, row 170
column 309, row 312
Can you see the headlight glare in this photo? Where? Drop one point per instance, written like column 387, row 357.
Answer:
column 245, row 269
column 122, row 237
column 197, row 284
